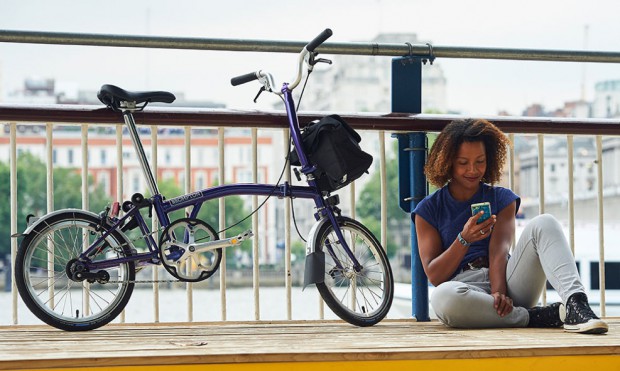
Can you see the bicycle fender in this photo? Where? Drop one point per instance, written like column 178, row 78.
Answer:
column 314, row 271
column 34, row 221
column 315, row 268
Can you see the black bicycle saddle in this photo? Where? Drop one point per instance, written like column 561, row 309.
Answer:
column 112, row 96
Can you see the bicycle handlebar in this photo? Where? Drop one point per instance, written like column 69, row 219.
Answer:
column 267, row 80
column 244, row 78
column 326, row 34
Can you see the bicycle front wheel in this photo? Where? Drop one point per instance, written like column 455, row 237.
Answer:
column 45, row 272
column 361, row 297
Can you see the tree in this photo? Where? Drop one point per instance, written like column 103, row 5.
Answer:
column 369, row 206
column 32, row 194
column 235, row 211
column 209, row 213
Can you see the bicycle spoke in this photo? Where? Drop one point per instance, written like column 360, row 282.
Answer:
column 60, row 298
column 46, row 279
column 48, row 289
column 359, row 296
column 94, row 295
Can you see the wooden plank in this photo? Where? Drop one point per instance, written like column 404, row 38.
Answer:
column 24, row 347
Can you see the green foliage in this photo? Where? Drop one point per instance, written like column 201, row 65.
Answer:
column 369, row 206
column 235, row 211
column 32, row 195
column 298, row 250
column 209, row 213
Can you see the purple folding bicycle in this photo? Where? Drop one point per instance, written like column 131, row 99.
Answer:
column 76, row 270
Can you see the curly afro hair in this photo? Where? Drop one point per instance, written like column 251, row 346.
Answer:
column 438, row 168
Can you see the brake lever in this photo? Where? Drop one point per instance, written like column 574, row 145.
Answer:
column 260, row 91
column 312, row 60
column 323, row 60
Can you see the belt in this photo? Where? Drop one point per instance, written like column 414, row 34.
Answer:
column 479, row 262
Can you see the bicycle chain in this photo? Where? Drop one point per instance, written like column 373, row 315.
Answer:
column 145, row 281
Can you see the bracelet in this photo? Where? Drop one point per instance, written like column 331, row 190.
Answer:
column 462, row 240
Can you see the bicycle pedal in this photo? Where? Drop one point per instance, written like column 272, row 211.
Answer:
column 241, row 237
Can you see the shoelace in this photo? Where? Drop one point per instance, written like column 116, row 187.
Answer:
column 579, row 310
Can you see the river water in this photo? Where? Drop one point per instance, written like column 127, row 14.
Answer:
column 173, row 307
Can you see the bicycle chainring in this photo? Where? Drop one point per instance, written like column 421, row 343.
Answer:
column 182, row 254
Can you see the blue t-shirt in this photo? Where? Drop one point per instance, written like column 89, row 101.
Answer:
column 448, row 216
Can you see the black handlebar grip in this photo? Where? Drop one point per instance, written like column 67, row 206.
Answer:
column 244, row 78
column 319, row 40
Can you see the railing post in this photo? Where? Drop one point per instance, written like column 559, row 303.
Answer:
column 412, row 147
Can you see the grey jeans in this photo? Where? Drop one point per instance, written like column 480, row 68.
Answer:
column 542, row 253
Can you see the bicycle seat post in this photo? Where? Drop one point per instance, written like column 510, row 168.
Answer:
column 127, row 110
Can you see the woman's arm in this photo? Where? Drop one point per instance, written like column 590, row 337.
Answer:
column 439, row 265
column 499, row 247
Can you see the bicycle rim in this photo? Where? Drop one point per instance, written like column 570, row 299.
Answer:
column 362, row 298
column 43, row 279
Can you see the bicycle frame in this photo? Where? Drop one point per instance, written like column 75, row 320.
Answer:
column 74, row 284
column 196, row 199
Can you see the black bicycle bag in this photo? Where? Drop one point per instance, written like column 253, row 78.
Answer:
column 333, row 147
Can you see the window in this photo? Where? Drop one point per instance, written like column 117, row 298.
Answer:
column 196, row 156
column 200, row 181
column 244, row 176
column 103, row 156
column 612, row 276
column 104, row 181
column 70, row 156
column 136, row 183
column 168, row 175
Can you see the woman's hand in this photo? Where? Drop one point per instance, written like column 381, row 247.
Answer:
column 473, row 232
column 502, row 303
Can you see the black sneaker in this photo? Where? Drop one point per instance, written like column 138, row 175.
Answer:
column 548, row 316
column 580, row 317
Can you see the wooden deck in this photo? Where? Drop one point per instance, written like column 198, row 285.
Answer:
column 298, row 345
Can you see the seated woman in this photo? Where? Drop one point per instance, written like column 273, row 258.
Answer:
column 478, row 283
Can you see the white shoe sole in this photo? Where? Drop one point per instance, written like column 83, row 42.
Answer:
column 593, row 326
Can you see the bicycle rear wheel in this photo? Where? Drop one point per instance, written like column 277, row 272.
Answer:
column 364, row 297
column 44, row 267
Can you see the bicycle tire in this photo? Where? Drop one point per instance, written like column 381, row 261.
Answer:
column 361, row 298
column 44, row 284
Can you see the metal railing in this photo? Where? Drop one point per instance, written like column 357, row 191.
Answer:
column 221, row 119
column 273, row 46
column 382, row 123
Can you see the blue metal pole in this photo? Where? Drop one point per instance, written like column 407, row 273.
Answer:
column 412, row 148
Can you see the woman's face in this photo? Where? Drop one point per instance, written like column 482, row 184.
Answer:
column 469, row 165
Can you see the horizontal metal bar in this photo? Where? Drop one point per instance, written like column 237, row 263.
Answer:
column 272, row 46
column 401, row 122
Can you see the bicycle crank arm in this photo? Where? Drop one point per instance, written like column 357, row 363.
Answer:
column 218, row 244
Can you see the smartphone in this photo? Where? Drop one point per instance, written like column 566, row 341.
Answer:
column 483, row 206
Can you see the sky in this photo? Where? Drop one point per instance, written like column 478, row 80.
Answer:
column 474, row 86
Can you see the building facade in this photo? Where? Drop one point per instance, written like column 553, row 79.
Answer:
column 606, row 99
column 103, row 158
